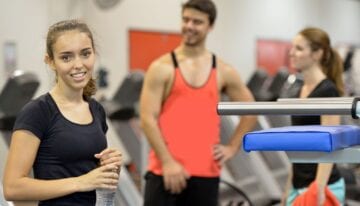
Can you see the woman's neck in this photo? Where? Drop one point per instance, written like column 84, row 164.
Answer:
column 313, row 75
column 65, row 96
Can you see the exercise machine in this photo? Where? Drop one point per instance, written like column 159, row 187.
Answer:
column 250, row 172
column 299, row 106
column 294, row 106
column 310, row 106
column 125, row 133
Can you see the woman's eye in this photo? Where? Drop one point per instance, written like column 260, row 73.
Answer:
column 299, row 48
column 65, row 58
column 86, row 54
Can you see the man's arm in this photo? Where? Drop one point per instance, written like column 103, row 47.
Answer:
column 236, row 90
column 150, row 105
column 152, row 96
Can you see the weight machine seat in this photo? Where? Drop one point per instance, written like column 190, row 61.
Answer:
column 303, row 138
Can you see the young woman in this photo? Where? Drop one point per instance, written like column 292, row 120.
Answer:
column 61, row 134
column 321, row 66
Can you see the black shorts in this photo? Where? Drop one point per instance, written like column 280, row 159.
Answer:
column 198, row 191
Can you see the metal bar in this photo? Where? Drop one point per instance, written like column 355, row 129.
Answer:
column 284, row 108
column 322, row 100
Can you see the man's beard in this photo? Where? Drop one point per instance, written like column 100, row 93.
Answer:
column 193, row 42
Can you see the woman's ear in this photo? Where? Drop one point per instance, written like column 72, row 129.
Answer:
column 49, row 61
column 318, row 55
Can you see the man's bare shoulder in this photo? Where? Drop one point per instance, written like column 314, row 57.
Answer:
column 162, row 64
column 225, row 69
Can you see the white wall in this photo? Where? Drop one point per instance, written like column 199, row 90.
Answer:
column 111, row 30
column 247, row 20
column 239, row 24
column 23, row 23
column 26, row 23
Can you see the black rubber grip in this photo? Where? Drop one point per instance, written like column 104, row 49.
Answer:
column 353, row 108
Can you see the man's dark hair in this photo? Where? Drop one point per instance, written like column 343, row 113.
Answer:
column 206, row 6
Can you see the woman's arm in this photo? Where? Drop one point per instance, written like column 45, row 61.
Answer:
column 18, row 185
column 323, row 171
column 287, row 187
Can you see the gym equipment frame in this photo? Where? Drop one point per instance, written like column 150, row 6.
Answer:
column 301, row 106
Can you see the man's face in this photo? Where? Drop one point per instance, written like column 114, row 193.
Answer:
column 195, row 27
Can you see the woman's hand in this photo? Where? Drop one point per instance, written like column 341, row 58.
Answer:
column 110, row 156
column 104, row 177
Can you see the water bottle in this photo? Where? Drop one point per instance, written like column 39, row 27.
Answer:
column 105, row 197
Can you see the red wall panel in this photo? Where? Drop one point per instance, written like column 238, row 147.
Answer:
column 272, row 55
column 145, row 46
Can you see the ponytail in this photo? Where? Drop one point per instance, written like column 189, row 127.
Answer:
column 90, row 88
column 332, row 66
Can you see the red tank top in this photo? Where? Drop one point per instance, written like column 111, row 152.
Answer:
column 190, row 125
